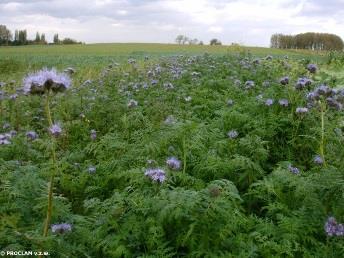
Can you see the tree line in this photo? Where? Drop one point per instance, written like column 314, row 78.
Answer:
column 182, row 40
column 309, row 40
column 20, row 38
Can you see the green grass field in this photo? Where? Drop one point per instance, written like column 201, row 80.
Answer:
column 15, row 62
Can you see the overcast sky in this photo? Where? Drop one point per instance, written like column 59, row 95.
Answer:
column 249, row 22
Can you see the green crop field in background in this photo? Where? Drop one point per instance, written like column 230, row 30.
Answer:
column 90, row 59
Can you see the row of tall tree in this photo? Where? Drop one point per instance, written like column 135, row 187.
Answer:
column 309, row 40
column 20, row 38
column 182, row 40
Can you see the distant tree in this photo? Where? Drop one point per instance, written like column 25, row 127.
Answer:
column 38, row 38
column 16, row 35
column 309, row 40
column 185, row 40
column 22, row 37
column 201, row 43
column 179, row 39
column 56, row 39
column 68, row 41
column 43, row 41
column 215, row 42
column 5, row 35
column 193, row 41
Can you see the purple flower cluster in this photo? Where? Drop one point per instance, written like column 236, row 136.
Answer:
column 301, row 110
column 156, row 174
column 334, row 98
column 44, row 80
column 93, row 135
column 249, row 85
column 173, row 163
column 312, row 68
column 61, row 228
column 31, row 135
column 318, row 160
column 232, row 134
column 303, row 83
column 283, row 102
column 293, row 170
column 332, row 228
column 269, row 102
column 5, row 139
column 55, row 130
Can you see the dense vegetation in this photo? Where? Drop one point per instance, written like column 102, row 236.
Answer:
column 309, row 40
column 177, row 156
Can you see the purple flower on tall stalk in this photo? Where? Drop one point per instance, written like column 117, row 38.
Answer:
column 156, row 174
column 61, row 228
column 173, row 163
column 93, row 135
column 44, row 80
column 232, row 134
column 55, row 130
column 168, row 86
column 13, row 96
column 312, row 68
column 31, row 135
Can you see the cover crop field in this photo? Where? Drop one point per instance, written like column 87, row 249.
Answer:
column 151, row 150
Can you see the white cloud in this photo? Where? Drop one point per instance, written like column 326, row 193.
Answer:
column 247, row 21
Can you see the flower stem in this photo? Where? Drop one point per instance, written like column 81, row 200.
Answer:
column 184, row 155
column 322, row 142
column 53, row 156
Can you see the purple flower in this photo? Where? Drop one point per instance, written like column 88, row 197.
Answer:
column 293, row 170
column 31, row 135
column 312, row 68
column 302, row 83
column 93, row 135
column 301, row 110
column 269, row 102
column 156, row 174
column 249, row 85
column 61, row 228
column 318, row 160
column 173, row 163
column 55, row 130
column 283, row 102
column 44, row 80
column 168, row 86
column 332, row 228
column 5, row 139
column 232, row 134
column 284, row 80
